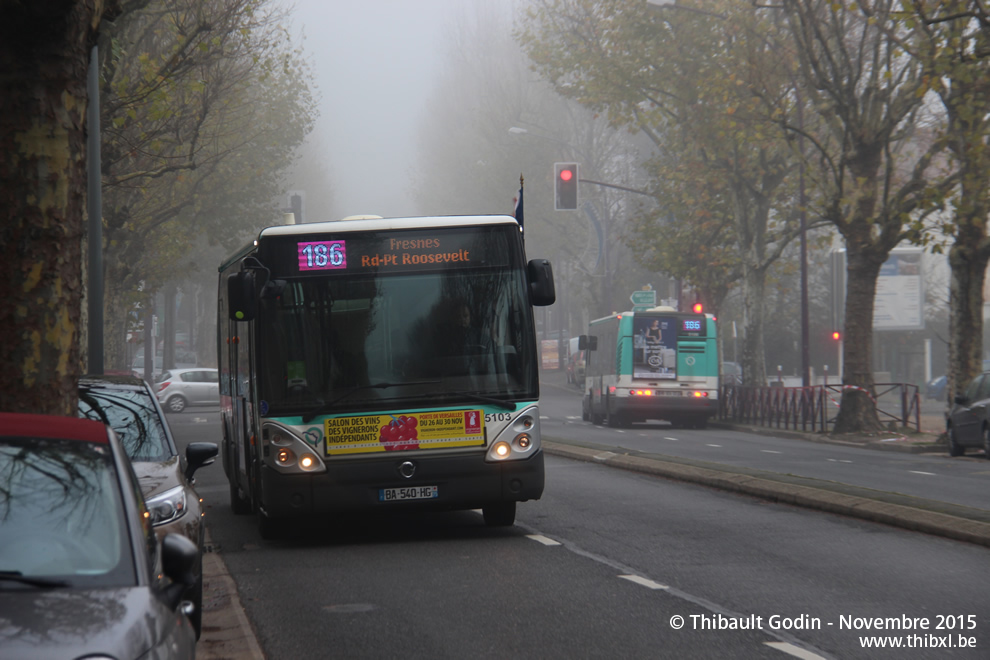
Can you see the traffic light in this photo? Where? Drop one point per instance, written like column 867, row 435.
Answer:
column 698, row 308
column 836, row 335
column 566, row 186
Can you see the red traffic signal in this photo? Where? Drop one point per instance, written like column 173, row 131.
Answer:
column 836, row 335
column 565, row 186
column 698, row 308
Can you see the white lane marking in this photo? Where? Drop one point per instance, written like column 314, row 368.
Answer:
column 649, row 584
column 793, row 650
column 713, row 445
column 771, row 451
column 539, row 538
column 573, row 417
column 837, row 460
column 927, row 474
column 601, row 458
column 672, row 439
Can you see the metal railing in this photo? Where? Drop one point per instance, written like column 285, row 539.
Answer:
column 815, row 408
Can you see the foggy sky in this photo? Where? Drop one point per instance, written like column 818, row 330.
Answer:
column 375, row 62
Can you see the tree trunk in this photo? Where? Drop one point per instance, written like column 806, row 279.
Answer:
column 753, row 356
column 857, row 410
column 44, row 55
column 968, row 271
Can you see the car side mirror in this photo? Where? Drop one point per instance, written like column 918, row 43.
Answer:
column 199, row 454
column 179, row 556
column 587, row 343
column 541, row 289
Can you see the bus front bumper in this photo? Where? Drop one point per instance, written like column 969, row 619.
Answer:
column 355, row 485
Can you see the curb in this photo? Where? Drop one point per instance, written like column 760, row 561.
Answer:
column 929, row 444
column 936, row 518
column 227, row 634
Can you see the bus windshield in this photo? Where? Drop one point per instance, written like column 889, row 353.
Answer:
column 374, row 341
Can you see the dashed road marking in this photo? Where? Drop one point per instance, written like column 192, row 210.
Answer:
column 539, row 538
column 837, row 460
column 671, row 439
column 771, row 451
column 649, row 584
column 713, row 445
column 927, row 474
column 793, row 650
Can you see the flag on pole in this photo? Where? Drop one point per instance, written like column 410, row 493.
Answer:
column 518, row 213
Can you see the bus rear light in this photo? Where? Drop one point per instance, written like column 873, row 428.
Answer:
column 641, row 392
column 700, row 395
column 307, row 462
column 501, row 449
column 611, row 389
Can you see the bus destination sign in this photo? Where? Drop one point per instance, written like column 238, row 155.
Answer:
column 394, row 252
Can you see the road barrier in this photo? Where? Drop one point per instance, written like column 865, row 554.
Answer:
column 815, row 408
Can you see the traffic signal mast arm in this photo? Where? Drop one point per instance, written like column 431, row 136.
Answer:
column 612, row 185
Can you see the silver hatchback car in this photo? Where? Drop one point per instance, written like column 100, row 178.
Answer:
column 179, row 388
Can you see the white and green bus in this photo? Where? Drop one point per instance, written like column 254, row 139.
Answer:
column 655, row 364
column 381, row 364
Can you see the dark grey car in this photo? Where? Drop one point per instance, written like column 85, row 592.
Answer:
column 130, row 408
column 82, row 572
column 968, row 423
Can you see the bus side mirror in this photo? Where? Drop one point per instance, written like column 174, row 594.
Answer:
column 242, row 300
column 541, row 289
column 587, row 343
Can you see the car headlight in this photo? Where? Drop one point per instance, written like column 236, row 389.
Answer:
column 168, row 506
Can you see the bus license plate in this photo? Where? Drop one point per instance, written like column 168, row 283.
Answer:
column 411, row 493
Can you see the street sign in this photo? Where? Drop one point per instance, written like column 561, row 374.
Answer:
column 646, row 299
column 642, row 308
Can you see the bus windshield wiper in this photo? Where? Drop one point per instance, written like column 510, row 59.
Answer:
column 47, row 583
column 308, row 417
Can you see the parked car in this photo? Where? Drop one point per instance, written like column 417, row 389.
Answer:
column 178, row 388
column 128, row 405
column 575, row 368
column 183, row 360
column 936, row 387
column 968, row 422
column 82, row 572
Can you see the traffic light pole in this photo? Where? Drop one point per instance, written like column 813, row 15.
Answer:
column 612, row 185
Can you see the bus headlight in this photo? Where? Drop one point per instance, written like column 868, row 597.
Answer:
column 288, row 452
column 519, row 440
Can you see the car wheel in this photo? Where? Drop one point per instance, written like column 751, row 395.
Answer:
column 955, row 449
column 502, row 514
column 986, row 442
column 175, row 404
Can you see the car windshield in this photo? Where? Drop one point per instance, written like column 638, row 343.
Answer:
column 61, row 516
column 133, row 415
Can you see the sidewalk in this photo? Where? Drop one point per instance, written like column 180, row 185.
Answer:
column 227, row 633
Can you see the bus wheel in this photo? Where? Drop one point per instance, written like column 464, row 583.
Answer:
column 239, row 505
column 502, row 514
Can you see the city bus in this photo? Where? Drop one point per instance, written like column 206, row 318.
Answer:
column 655, row 364
column 381, row 364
